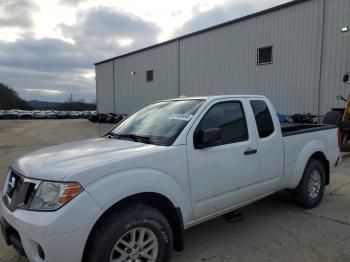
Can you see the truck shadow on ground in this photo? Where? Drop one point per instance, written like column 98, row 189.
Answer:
column 272, row 229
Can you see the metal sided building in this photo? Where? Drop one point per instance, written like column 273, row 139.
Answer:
column 295, row 54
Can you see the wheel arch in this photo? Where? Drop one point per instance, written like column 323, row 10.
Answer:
column 303, row 162
column 313, row 149
column 158, row 201
column 322, row 158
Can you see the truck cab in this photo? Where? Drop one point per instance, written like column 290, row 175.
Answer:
column 129, row 195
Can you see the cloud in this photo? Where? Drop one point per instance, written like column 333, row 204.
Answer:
column 66, row 83
column 66, row 67
column 44, row 91
column 45, row 54
column 16, row 13
column 203, row 18
column 107, row 30
column 71, row 2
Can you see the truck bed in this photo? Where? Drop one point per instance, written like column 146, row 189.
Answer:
column 301, row 139
column 289, row 129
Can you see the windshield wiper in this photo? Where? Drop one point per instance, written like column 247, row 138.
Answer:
column 110, row 135
column 136, row 138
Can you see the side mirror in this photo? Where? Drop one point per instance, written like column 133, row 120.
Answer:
column 211, row 135
column 346, row 78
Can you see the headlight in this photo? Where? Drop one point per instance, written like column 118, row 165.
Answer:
column 51, row 196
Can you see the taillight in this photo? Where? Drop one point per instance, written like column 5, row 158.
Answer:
column 339, row 137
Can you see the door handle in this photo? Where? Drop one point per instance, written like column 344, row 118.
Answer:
column 250, row 152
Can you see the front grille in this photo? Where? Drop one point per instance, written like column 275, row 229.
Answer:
column 18, row 190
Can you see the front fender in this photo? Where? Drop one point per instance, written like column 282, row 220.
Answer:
column 112, row 188
column 304, row 156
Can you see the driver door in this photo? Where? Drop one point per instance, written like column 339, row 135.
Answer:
column 225, row 173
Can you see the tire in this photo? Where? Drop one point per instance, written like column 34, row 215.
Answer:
column 332, row 118
column 308, row 194
column 121, row 225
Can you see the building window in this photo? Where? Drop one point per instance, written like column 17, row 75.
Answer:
column 149, row 75
column 265, row 55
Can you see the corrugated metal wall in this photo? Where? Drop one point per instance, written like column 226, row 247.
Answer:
column 336, row 54
column 104, row 87
column 133, row 91
column 224, row 61
column 310, row 56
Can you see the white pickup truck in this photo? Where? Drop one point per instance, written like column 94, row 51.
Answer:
column 129, row 195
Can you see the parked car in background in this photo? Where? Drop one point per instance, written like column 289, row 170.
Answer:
column 39, row 114
column 61, row 115
column 129, row 195
column 26, row 114
column 86, row 114
column 12, row 114
column 93, row 117
column 115, row 118
column 50, row 114
column 102, row 118
column 73, row 114
column 111, row 118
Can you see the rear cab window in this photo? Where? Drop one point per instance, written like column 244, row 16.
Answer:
column 263, row 118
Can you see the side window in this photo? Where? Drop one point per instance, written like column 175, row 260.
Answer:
column 263, row 118
column 229, row 117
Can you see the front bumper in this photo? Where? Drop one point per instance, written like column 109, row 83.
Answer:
column 59, row 235
column 11, row 236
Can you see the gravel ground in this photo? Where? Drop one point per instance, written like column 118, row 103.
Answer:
column 273, row 229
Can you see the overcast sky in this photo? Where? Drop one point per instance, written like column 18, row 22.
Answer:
column 48, row 47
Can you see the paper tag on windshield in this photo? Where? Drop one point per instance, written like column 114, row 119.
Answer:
column 183, row 117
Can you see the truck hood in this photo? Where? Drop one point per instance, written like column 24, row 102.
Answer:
column 56, row 162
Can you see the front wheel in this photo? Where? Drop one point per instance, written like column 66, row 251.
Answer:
column 138, row 233
column 311, row 188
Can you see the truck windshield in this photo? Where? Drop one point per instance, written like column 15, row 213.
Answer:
column 158, row 123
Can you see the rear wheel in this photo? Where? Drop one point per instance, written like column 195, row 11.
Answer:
column 332, row 118
column 136, row 234
column 311, row 188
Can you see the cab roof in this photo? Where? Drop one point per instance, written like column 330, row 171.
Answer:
column 211, row 98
